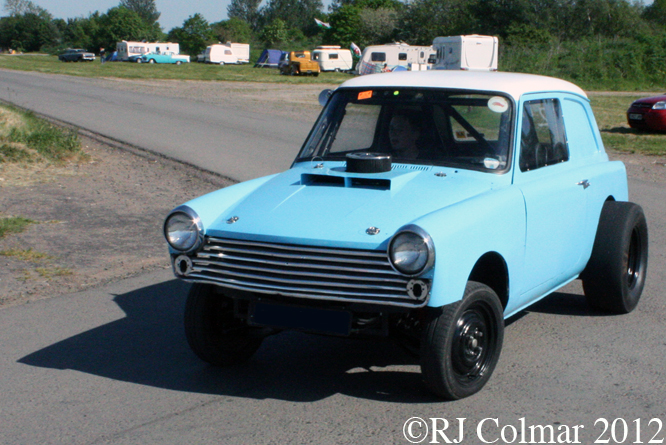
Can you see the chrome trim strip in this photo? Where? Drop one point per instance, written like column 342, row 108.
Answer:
column 292, row 281
column 387, row 270
column 203, row 264
column 290, row 247
column 287, row 293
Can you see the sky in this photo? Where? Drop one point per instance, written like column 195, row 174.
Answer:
column 174, row 12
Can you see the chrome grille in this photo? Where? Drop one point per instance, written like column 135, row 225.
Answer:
column 302, row 271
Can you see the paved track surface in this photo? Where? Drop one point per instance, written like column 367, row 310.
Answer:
column 111, row 366
column 217, row 137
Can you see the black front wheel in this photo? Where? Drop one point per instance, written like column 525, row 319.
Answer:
column 213, row 332
column 462, row 342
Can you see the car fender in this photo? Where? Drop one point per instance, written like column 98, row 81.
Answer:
column 608, row 180
column 490, row 222
column 210, row 206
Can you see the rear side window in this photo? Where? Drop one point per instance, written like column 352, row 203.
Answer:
column 580, row 129
column 543, row 140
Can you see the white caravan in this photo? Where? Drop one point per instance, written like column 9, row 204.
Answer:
column 126, row 49
column 333, row 58
column 394, row 56
column 472, row 52
column 227, row 53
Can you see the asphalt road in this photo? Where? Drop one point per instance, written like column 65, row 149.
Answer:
column 111, row 366
column 217, row 137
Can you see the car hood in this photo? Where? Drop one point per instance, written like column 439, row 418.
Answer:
column 329, row 207
column 650, row 100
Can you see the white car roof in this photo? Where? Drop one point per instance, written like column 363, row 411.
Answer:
column 513, row 84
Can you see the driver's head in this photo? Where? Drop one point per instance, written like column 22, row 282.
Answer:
column 403, row 134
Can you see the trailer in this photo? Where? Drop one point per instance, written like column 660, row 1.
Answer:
column 394, row 56
column 472, row 52
column 127, row 49
column 333, row 58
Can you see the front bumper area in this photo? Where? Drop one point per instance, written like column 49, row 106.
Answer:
column 304, row 272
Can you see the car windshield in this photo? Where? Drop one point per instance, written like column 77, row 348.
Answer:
column 417, row 126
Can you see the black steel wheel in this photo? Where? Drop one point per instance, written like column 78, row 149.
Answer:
column 213, row 332
column 462, row 342
column 614, row 277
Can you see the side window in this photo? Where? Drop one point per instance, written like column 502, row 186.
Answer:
column 333, row 56
column 580, row 128
column 402, row 56
column 543, row 140
column 378, row 57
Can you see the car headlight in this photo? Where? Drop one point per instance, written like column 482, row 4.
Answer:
column 411, row 251
column 183, row 229
column 661, row 105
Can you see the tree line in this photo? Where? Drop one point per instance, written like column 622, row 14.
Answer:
column 628, row 33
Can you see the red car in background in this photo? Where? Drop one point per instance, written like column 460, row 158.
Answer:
column 648, row 113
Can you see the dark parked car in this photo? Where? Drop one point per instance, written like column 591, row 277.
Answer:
column 648, row 113
column 76, row 55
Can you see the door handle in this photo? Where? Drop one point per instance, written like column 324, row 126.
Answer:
column 585, row 183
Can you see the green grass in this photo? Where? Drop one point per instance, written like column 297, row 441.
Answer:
column 610, row 111
column 186, row 71
column 28, row 255
column 14, row 224
column 26, row 138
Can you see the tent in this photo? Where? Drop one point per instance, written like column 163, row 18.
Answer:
column 269, row 58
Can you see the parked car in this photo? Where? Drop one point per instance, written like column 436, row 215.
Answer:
column 76, row 55
column 648, row 113
column 163, row 58
column 299, row 63
column 425, row 206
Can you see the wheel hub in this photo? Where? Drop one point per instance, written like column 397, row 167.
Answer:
column 470, row 345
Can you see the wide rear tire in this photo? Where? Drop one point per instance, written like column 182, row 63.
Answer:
column 462, row 342
column 614, row 277
column 212, row 331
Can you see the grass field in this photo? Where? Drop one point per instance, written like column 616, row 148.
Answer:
column 609, row 108
column 186, row 71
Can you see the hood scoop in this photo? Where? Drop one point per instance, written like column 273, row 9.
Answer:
column 310, row 179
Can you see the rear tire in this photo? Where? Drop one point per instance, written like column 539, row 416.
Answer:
column 213, row 332
column 614, row 277
column 462, row 342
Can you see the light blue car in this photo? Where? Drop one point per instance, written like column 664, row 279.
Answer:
column 425, row 206
column 163, row 58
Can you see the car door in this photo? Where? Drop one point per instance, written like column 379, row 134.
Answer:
column 554, row 194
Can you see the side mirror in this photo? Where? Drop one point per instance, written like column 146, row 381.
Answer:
column 323, row 96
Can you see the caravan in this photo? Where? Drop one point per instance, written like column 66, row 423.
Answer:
column 400, row 56
column 126, row 49
column 332, row 58
column 472, row 52
column 227, row 53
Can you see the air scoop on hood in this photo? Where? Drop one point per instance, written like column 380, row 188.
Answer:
column 310, row 179
column 365, row 162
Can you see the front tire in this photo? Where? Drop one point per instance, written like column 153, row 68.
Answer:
column 614, row 277
column 462, row 342
column 213, row 332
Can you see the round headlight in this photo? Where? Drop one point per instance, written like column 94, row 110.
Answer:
column 411, row 251
column 183, row 230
